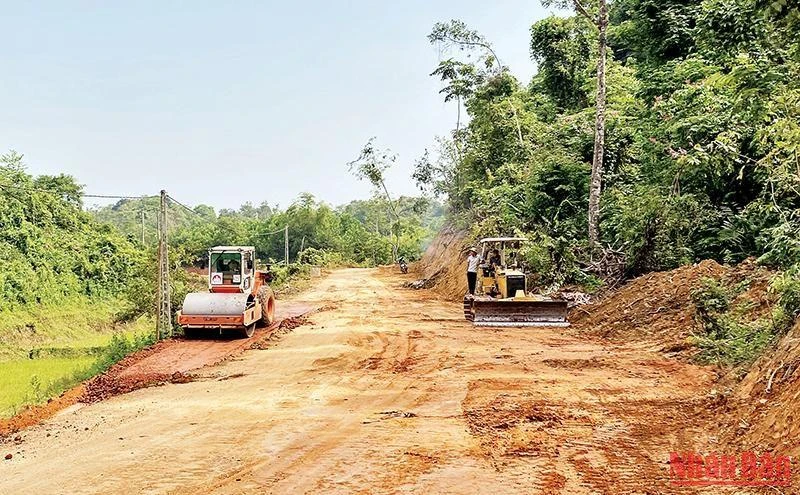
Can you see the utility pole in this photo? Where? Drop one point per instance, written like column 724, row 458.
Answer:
column 142, row 226
column 286, row 244
column 164, row 328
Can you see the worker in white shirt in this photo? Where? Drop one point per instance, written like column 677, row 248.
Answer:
column 473, row 261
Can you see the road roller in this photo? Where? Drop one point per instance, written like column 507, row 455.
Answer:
column 502, row 298
column 238, row 299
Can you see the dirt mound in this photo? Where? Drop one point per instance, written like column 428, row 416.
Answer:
column 293, row 322
column 658, row 306
column 104, row 386
column 126, row 376
column 444, row 264
column 655, row 306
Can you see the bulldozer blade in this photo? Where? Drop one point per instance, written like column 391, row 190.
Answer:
column 516, row 313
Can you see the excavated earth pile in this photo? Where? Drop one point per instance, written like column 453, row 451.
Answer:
column 656, row 306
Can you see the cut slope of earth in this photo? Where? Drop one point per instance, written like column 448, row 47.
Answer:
column 762, row 412
column 656, row 306
column 444, row 264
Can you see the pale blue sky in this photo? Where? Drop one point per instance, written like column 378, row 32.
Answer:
column 225, row 102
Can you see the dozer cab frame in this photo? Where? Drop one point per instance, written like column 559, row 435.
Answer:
column 238, row 297
column 502, row 297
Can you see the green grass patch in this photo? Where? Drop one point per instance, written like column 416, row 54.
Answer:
column 31, row 381
column 45, row 350
column 78, row 323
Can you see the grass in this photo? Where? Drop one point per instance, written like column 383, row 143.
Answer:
column 45, row 350
column 730, row 334
column 57, row 324
column 28, row 381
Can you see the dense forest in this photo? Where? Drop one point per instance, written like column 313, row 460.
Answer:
column 52, row 249
column 702, row 128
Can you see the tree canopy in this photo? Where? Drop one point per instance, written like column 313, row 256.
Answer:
column 701, row 139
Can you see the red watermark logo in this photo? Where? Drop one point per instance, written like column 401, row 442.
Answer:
column 745, row 469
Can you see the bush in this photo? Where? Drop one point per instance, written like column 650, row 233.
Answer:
column 553, row 262
column 320, row 257
column 52, row 249
column 728, row 337
column 652, row 227
column 786, row 286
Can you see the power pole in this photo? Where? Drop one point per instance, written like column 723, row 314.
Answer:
column 164, row 328
column 286, row 244
column 142, row 226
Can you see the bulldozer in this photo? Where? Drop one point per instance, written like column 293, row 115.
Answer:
column 502, row 298
column 238, row 299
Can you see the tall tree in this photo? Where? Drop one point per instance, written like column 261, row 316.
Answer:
column 371, row 164
column 456, row 34
column 600, row 21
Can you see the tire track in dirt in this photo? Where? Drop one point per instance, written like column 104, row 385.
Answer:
column 379, row 397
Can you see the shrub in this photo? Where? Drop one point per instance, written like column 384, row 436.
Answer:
column 728, row 336
column 786, row 285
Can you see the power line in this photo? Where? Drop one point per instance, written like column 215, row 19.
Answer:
column 136, row 212
column 272, row 233
column 62, row 193
column 183, row 205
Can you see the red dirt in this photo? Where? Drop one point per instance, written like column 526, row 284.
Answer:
column 36, row 414
column 760, row 413
column 445, row 264
column 656, row 306
column 170, row 361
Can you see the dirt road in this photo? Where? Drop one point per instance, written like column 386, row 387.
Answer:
column 387, row 390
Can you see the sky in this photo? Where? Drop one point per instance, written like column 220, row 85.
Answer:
column 226, row 102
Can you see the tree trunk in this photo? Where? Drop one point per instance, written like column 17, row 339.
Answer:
column 599, row 130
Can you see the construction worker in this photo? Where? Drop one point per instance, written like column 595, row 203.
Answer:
column 494, row 259
column 473, row 261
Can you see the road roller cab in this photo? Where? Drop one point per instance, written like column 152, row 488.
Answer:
column 239, row 297
column 231, row 269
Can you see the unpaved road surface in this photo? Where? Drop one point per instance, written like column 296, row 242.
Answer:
column 386, row 390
